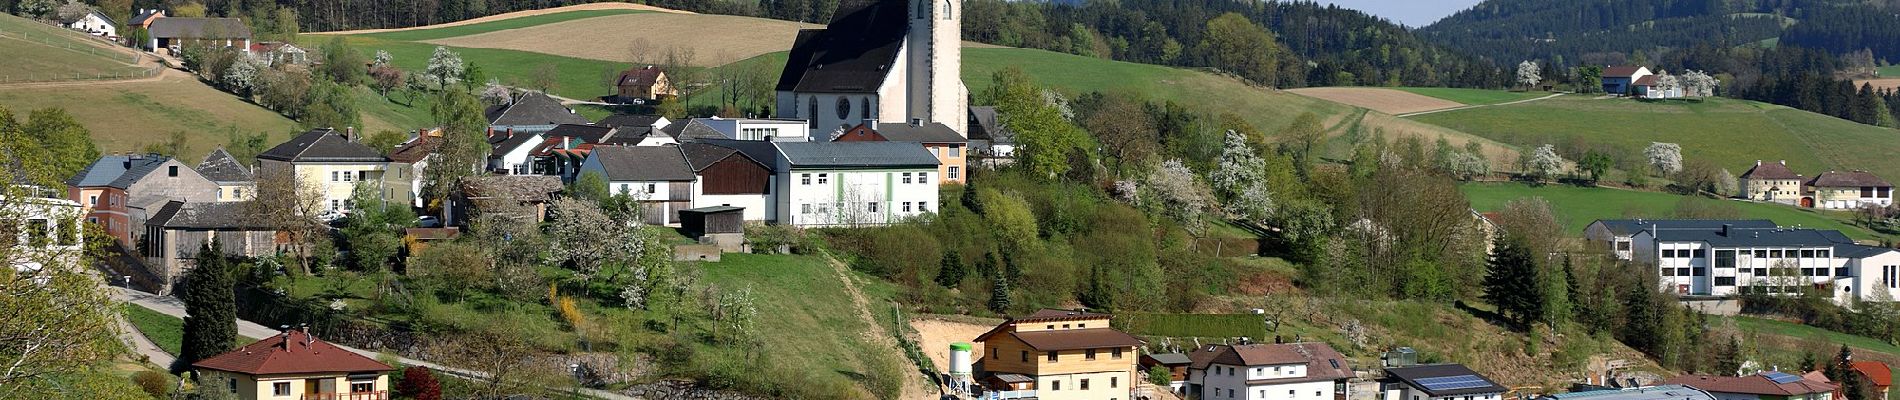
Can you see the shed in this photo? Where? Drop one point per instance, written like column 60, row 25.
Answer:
column 703, row 221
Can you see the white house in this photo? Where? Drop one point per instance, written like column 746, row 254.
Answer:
column 775, row 129
column 1732, row 261
column 1437, row 382
column 93, row 22
column 889, row 60
column 46, row 228
column 854, row 183
column 1292, row 371
column 726, row 176
column 510, row 152
column 1616, row 234
column 531, row 112
column 657, row 176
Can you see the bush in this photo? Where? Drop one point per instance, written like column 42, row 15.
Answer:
column 153, row 383
column 419, row 383
column 770, row 239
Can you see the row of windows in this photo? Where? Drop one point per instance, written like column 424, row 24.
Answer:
column 1778, row 253
column 921, row 177
column 955, row 151
column 1757, row 272
column 1113, row 382
column 1087, row 355
column 871, row 206
column 41, row 233
column 347, row 176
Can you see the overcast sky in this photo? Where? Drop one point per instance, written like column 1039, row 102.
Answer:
column 1413, row 13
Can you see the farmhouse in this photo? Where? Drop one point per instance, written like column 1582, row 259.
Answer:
column 1655, row 87
column 940, row 140
column 1851, row 190
column 1877, row 375
column 890, row 60
column 643, row 83
column 1620, row 80
column 1765, row 385
column 531, row 112
column 1771, row 182
column 1291, row 371
column 657, row 177
column 92, row 22
column 295, row 364
column 235, row 182
column 854, row 183
column 174, row 33
column 1057, row 355
column 726, row 177
column 175, row 233
column 1437, row 382
column 119, row 192
column 1617, row 234
column 333, row 163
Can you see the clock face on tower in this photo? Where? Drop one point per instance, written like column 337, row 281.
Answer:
column 844, row 108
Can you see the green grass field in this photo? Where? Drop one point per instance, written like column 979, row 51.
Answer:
column 49, row 53
column 485, row 27
column 1731, row 133
column 806, row 320
column 166, row 331
column 1473, row 96
column 125, row 117
column 1576, row 206
column 1889, row 71
column 575, row 78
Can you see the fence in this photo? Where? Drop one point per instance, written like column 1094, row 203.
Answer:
column 132, row 60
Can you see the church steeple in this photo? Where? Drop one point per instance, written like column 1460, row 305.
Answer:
column 935, row 50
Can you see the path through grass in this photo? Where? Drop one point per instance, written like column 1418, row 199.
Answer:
column 1474, row 96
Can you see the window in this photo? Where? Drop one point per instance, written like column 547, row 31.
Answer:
column 953, row 173
column 822, row 179
column 237, row 193
column 844, row 108
column 1760, row 272
column 362, row 387
column 1807, row 254
column 946, row 10
column 864, row 108
column 804, row 208
column 923, row 177
column 1055, row 385
column 906, row 206
column 992, row 354
column 280, row 388
column 1025, row 356
column 1701, row 253
column 651, row 189
column 335, row 176
column 923, row 206
column 220, row 193
column 1700, row 271
column 1084, row 384
column 1891, row 275
column 1115, row 353
column 811, row 104
column 1114, row 382
column 1761, row 253
column 1725, row 281
column 171, row 171
column 871, row 206
column 1088, row 355
column 1775, row 253
column 1841, row 271
column 1865, row 191
column 1052, row 356
column 1065, row 326
column 1668, row 253
column 956, row 152
column 804, row 179
column 94, row 200
column 1725, row 258
column 906, row 178
column 1822, row 253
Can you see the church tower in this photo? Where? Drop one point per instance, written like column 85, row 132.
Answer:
column 934, row 47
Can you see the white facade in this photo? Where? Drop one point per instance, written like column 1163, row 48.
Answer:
column 515, row 161
column 336, row 182
column 923, row 82
column 96, row 24
column 777, row 130
column 847, row 197
column 46, row 229
column 1700, row 269
column 1080, row 386
column 1222, row 381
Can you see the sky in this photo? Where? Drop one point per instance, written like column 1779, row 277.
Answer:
column 1412, row 13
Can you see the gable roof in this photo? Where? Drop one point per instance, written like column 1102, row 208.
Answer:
column 1170, row 359
column 199, row 28
column 1876, row 372
column 532, row 108
column 503, row 142
column 416, row 150
column 1621, row 71
column 102, row 16
column 630, row 120
column 220, row 166
column 1849, row 179
column 1646, row 80
column 587, row 133
column 929, row 133
column 1073, row 339
column 985, row 126
column 322, row 145
column 702, row 155
column 1412, row 375
column 853, row 54
column 292, row 352
column 646, row 76
column 643, row 164
column 1776, row 170
column 694, row 129
column 1758, row 384
column 856, row 154
column 117, row 171
column 1624, row 227
column 761, row 151
column 145, row 16
column 214, row 216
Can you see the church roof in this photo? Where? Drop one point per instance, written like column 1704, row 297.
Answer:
column 853, row 54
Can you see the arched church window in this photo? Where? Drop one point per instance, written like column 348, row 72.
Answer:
column 844, row 108
column 812, row 105
column 946, row 9
column 864, row 108
column 923, row 9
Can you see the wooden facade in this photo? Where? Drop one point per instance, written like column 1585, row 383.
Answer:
column 712, row 220
column 736, row 174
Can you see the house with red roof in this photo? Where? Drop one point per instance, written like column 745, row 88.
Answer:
column 1057, row 355
column 1767, row 385
column 1878, row 376
column 1771, row 182
column 295, row 366
column 643, row 83
column 1618, row 80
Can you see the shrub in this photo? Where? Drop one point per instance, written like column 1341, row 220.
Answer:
column 153, row 383
column 419, row 383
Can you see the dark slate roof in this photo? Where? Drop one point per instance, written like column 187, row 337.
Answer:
column 1755, row 237
column 1849, row 179
column 645, row 76
column 502, row 142
column 208, row 28
column 702, row 155
column 1621, row 71
column 694, row 129
column 852, row 54
column 1171, row 358
column 321, row 145
column 587, row 133
column 118, row 171
column 648, row 163
column 856, row 154
column 634, row 120
column 985, row 126
column 1624, row 227
column 221, row 215
column 929, row 133
column 1777, row 170
column 220, row 166
column 1411, row 375
column 1858, row 251
column 101, row 15
column 533, row 108
column 140, row 19
column 761, row 151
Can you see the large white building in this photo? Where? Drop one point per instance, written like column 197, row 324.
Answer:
column 854, row 183
column 1727, row 258
column 1291, row 371
column 890, row 60
column 332, row 164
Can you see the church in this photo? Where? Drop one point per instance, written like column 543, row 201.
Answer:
column 894, row 61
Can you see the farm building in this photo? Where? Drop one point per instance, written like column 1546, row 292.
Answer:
column 1619, row 80
column 715, row 220
column 725, row 176
column 1850, row 190
column 172, row 34
column 92, row 22
column 177, row 231
column 656, row 176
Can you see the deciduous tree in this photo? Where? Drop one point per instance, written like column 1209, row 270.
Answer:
column 1528, row 74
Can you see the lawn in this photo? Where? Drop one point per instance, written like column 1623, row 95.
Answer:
column 417, row 35
column 166, row 331
column 394, row 113
column 1473, row 96
column 1731, row 133
column 806, row 318
column 1795, row 330
column 575, row 77
column 1576, row 206
column 125, row 117
column 1888, row 71
column 57, row 54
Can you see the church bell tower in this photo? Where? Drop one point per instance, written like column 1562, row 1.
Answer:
column 935, row 48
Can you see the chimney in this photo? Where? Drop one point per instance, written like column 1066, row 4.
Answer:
column 1757, row 163
column 1784, row 162
column 349, row 133
column 491, row 132
column 916, row 122
column 1727, row 230
column 511, row 134
column 870, row 123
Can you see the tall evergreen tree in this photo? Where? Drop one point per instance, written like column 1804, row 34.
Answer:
column 999, row 294
column 1729, row 362
column 951, row 272
column 1511, row 284
column 210, row 299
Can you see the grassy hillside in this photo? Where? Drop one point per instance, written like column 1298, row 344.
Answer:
column 1474, row 96
column 47, row 53
column 126, row 116
column 491, row 26
column 1576, row 206
column 1732, row 133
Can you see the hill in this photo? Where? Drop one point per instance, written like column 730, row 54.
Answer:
column 125, row 116
column 1584, row 32
column 60, row 55
column 1731, row 133
column 1576, row 206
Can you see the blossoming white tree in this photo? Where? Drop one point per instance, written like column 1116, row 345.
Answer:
column 1545, row 162
column 1666, row 157
column 445, row 67
column 1528, row 74
column 1241, row 179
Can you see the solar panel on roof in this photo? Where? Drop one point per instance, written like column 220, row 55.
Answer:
column 1453, row 382
column 1781, row 377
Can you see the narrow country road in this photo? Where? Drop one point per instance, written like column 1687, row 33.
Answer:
column 172, row 306
column 1409, row 115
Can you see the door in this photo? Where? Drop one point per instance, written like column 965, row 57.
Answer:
column 1807, row 202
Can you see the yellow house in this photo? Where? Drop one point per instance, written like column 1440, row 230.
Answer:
column 332, row 164
column 295, row 366
column 1057, row 355
column 1771, row 182
column 1848, row 190
column 235, row 182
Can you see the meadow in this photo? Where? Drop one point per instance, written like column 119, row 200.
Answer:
column 417, row 35
column 1576, row 206
column 126, row 116
column 57, row 54
column 1473, row 96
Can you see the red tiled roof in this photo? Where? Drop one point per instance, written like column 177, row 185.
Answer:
column 1646, row 80
column 293, row 352
column 1849, row 179
column 1752, row 384
column 1774, row 170
column 1876, row 372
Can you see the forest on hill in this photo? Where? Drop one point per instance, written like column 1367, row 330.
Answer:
column 1602, row 32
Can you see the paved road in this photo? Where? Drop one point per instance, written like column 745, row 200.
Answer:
column 137, row 340
column 172, row 306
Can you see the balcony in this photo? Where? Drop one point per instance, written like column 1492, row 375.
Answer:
column 376, row 395
column 1009, row 394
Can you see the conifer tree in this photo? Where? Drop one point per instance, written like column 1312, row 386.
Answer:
column 999, row 294
column 210, row 299
column 1511, row 283
column 951, row 272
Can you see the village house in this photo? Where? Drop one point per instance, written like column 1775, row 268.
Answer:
column 1057, row 355
column 511, row 152
column 120, row 191
column 1659, row 392
column 992, row 144
column 1767, row 385
column 295, row 365
column 1851, row 190
column 1290, row 371
column 176, row 231
column 940, row 140
column 889, row 61
column 92, row 22
column 1878, row 376
column 333, row 163
column 234, row 180
column 143, row 20
column 1175, row 363
column 776, row 130
column 1620, row 80
column 409, row 161
column 641, row 84
column 280, row 53
column 1772, row 182
column 174, row 34
column 45, row 228
column 726, row 177
column 657, row 177
column 854, row 183
column 530, row 113
column 1437, row 382
column 1739, row 257
column 1616, row 234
